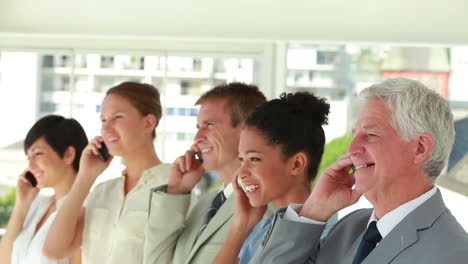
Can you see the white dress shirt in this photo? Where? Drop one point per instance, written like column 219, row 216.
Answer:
column 27, row 247
column 386, row 224
column 115, row 223
column 228, row 190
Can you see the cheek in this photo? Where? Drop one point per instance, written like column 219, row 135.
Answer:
column 218, row 138
column 272, row 178
column 393, row 156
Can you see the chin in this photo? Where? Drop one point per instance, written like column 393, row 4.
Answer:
column 361, row 188
column 209, row 166
column 256, row 203
column 115, row 152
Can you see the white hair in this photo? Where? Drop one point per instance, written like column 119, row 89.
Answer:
column 416, row 110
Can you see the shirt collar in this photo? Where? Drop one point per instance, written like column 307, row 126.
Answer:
column 386, row 224
column 227, row 190
column 60, row 202
column 147, row 174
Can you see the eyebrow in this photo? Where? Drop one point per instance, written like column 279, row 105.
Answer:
column 34, row 148
column 367, row 127
column 252, row 151
column 205, row 122
column 371, row 126
column 114, row 113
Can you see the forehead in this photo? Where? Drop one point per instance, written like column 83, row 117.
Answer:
column 40, row 143
column 213, row 109
column 374, row 114
column 116, row 103
column 251, row 138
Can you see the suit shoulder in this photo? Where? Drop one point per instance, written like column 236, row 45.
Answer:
column 448, row 225
column 351, row 223
column 356, row 216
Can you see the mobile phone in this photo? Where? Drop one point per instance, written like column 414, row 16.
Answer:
column 104, row 152
column 198, row 156
column 31, row 179
column 239, row 182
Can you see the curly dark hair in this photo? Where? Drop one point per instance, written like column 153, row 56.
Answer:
column 294, row 122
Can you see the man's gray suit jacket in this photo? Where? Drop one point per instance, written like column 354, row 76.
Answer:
column 429, row 234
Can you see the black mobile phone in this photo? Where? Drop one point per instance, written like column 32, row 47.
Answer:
column 104, row 152
column 32, row 180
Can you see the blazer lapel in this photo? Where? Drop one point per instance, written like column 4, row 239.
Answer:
column 195, row 221
column 405, row 233
column 351, row 252
column 224, row 213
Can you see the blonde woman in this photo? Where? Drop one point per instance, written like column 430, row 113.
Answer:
column 110, row 225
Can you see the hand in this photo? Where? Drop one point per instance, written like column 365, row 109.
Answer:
column 90, row 163
column 186, row 172
column 333, row 191
column 25, row 192
column 245, row 215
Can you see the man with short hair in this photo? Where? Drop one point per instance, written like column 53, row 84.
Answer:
column 401, row 143
column 175, row 235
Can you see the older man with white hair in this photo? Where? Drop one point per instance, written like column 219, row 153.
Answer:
column 401, row 143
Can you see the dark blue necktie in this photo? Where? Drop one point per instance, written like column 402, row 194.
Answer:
column 368, row 243
column 215, row 205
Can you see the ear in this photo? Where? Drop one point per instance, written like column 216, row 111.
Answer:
column 69, row 155
column 151, row 121
column 425, row 144
column 298, row 163
column 241, row 124
column 239, row 128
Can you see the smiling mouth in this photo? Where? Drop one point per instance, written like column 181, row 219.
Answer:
column 112, row 139
column 251, row 188
column 205, row 150
column 360, row 166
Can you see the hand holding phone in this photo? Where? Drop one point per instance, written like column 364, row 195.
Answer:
column 31, row 179
column 104, row 152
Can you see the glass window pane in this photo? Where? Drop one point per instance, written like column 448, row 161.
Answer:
column 340, row 72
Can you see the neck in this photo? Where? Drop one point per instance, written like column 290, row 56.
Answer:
column 140, row 160
column 388, row 200
column 297, row 194
column 227, row 172
column 63, row 187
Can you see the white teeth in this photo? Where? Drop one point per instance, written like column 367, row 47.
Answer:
column 360, row 166
column 205, row 150
column 250, row 188
column 112, row 139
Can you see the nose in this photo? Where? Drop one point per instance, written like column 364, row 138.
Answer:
column 31, row 164
column 243, row 171
column 356, row 146
column 200, row 136
column 105, row 127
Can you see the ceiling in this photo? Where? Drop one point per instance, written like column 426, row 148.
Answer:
column 395, row 21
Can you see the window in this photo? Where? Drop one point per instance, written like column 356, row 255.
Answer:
column 340, row 72
column 74, row 85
